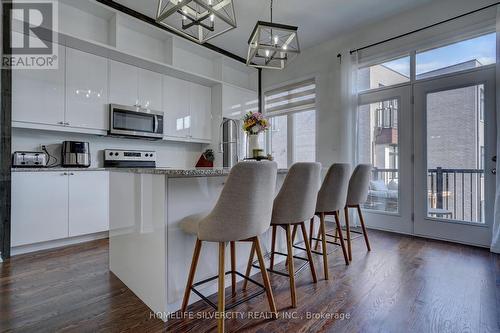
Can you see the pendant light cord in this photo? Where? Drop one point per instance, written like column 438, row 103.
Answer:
column 271, row 11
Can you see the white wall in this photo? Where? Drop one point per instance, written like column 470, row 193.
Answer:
column 169, row 154
column 333, row 129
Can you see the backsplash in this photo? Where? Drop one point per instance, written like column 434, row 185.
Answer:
column 169, row 154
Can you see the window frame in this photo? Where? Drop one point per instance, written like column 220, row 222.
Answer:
column 290, row 118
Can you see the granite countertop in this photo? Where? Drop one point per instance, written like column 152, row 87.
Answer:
column 179, row 173
column 169, row 172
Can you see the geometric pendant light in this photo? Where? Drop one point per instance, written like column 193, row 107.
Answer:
column 198, row 20
column 272, row 45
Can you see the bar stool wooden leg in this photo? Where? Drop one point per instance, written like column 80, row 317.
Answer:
column 290, row 265
column 318, row 236
column 348, row 232
column 220, row 294
column 362, row 221
column 294, row 233
column 308, row 250
column 192, row 270
column 341, row 237
column 233, row 268
column 311, row 231
column 265, row 277
column 323, row 244
column 249, row 266
column 273, row 247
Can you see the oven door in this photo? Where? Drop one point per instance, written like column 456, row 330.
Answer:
column 134, row 121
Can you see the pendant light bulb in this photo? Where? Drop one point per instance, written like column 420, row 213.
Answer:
column 276, row 39
column 267, row 53
column 212, row 17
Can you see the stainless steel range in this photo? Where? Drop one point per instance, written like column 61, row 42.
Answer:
column 115, row 158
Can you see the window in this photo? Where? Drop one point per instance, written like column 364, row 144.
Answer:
column 466, row 54
column 291, row 110
column 385, row 74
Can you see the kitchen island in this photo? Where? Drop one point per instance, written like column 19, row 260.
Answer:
column 147, row 249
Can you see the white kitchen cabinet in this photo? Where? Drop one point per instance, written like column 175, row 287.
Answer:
column 39, row 207
column 149, row 89
column 38, row 94
column 50, row 205
column 177, row 121
column 123, row 83
column 201, row 112
column 86, row 90
column 88, row 202
column 236, row 101
column 130, row 85
column 188, row 110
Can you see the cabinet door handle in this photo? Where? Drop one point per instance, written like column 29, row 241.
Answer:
column 60, row 122
column 71, row 174
column 65, row 174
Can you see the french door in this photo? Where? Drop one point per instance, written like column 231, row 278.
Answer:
column 384, row 139
column 454, row 153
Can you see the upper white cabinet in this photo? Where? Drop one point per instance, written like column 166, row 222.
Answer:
column 176, row 107
column 38, row 94
column 236, row 101
column 88, row 202
column 37, row 216
column 149, row 89
column 200, row 108
column 188, row 110
column 130, row 85
column 86, row 90
column 123, row 83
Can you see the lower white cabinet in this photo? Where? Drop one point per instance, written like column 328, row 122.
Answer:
column 39, row 207
column 52, row 205
column 88, row 202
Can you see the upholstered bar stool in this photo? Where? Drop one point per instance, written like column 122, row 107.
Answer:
column 242, row 213
column 332, row 198
column 294, row 204
column 357, row 195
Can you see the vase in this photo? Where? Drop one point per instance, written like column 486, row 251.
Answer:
column 253, row 145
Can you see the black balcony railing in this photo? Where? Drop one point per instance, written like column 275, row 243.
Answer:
column 456, row 194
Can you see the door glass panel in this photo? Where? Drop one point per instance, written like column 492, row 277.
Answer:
column 133, row 121
column 279, row 141
column 455, row 146
column 470, row 53
column 378, row 144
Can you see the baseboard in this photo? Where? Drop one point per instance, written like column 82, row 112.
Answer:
column 57, row 243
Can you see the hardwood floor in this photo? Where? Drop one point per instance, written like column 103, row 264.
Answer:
column 405, row 284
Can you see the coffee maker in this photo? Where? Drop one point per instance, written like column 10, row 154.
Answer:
column 75, row 154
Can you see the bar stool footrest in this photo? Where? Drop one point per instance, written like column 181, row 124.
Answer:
column 229, row 306
column 282, row 273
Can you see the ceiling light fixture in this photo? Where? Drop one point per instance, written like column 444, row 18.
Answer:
column 198, row 20
column 272, row 45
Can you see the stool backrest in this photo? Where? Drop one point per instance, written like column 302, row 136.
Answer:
column 245, row 204
column 359, row 184
column 332, row 195
column 296, row 200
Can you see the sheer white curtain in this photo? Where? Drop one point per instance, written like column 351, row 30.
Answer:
column 495, row 241
column 349, row 104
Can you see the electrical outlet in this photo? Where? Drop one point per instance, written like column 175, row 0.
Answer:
column 43, row 147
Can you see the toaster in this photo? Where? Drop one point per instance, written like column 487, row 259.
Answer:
column 29, row 159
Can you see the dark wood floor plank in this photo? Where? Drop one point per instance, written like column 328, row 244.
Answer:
column 405, row 284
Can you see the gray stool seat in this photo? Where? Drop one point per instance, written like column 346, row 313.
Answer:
column 332, row 198
column 190, row 224
column 242, row 213
column 294, row 204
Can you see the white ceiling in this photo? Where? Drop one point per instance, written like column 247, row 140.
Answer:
column 318, row 20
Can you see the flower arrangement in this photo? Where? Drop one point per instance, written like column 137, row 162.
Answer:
column 255, row 123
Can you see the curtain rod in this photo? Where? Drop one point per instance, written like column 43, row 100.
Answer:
column 420, row 29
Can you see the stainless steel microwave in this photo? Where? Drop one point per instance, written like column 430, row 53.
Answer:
column 135, row 122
